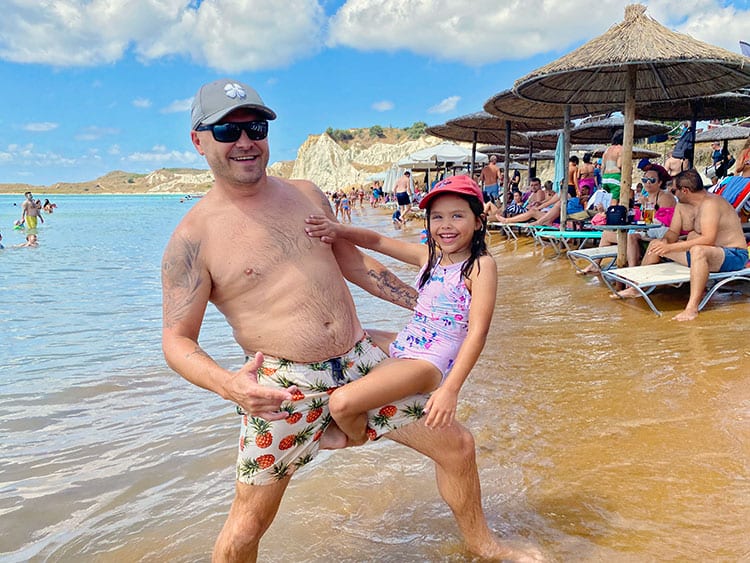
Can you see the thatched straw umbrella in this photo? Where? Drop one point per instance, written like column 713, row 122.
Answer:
column 533, row 116
column 636, row 61
column 508, row 105
column 482, row 127
column 720, row 106
column 601, row 131
column 723, row 133
column 500, row 149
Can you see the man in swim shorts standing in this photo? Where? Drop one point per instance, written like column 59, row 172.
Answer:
column 284, row 295
column 402, row 189
column 30, row 213
column 715, row 241
column 491, row 180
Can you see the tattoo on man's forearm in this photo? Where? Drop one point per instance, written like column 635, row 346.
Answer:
column 197, row 352
column 393, row 289
column 181, row 278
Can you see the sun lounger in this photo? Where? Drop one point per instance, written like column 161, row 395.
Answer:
column 644, row 279
column 509, row 229
column 592, row 257
column 567, row 240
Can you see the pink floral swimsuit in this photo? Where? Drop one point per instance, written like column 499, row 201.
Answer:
column 440, row 322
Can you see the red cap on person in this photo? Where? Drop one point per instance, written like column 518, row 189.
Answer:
column 461, row 184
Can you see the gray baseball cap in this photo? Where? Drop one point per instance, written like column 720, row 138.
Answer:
column 217, row 99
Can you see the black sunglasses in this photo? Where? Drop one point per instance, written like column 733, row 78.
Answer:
column 647, row 180
column 231, row 132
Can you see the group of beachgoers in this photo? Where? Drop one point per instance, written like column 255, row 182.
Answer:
column 692, row 225
column 31, row 216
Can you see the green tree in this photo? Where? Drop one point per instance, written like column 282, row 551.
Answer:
column 377, row 131
column 416, row 130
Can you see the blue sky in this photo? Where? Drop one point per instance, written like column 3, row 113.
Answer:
column 91, row 86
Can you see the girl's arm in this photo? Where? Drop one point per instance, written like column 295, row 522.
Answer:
column 441, row 406
column 328, row 231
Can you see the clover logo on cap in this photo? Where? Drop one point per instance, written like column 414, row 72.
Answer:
column 234, row 90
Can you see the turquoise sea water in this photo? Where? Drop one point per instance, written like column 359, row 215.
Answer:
column 603, row 432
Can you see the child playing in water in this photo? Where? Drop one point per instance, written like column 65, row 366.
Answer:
column 31, row 240
column 457, row 287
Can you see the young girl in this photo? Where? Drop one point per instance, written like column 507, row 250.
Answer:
column 439, row 347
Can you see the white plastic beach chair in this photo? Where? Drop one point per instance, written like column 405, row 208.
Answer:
column 603, row 257
column 644, row 279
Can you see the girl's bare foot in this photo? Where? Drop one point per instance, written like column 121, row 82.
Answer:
column 333, row 438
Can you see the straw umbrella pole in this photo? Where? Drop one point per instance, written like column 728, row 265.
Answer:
column 636, row 61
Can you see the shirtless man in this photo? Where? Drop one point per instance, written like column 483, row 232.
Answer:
column 402, row 189
column 537, row 195
column 546, row 213
column 715, row 241
column 573, row 174
column 490, row 180
column 30, row 212
column 285, row 294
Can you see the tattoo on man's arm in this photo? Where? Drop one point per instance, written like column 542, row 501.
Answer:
column 393, row 289
column 198, row 351
column 181, row 278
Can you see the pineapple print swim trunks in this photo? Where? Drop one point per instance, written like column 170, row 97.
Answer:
column 272, row 450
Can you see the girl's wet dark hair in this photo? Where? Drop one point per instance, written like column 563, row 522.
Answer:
column 478, row 240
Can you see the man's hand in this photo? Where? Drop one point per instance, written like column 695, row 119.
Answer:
column 659, row 247
column 255, row 399
column 322, row 227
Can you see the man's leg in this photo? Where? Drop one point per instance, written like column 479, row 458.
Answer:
column 703, row 260
column 253, row 509
column 452, row 450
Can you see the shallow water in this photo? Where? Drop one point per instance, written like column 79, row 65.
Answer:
column 604, row 433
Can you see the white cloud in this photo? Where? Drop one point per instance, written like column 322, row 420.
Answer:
column 142, row 103
column 478, row 32
column 447, row 105
column 159, row 155
column 230, row 35
column 178, row 106
column 114, row 150
column 26, row 155
column 250, row 35
column 94, row 133
column 383, row 105
column 40, row 127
